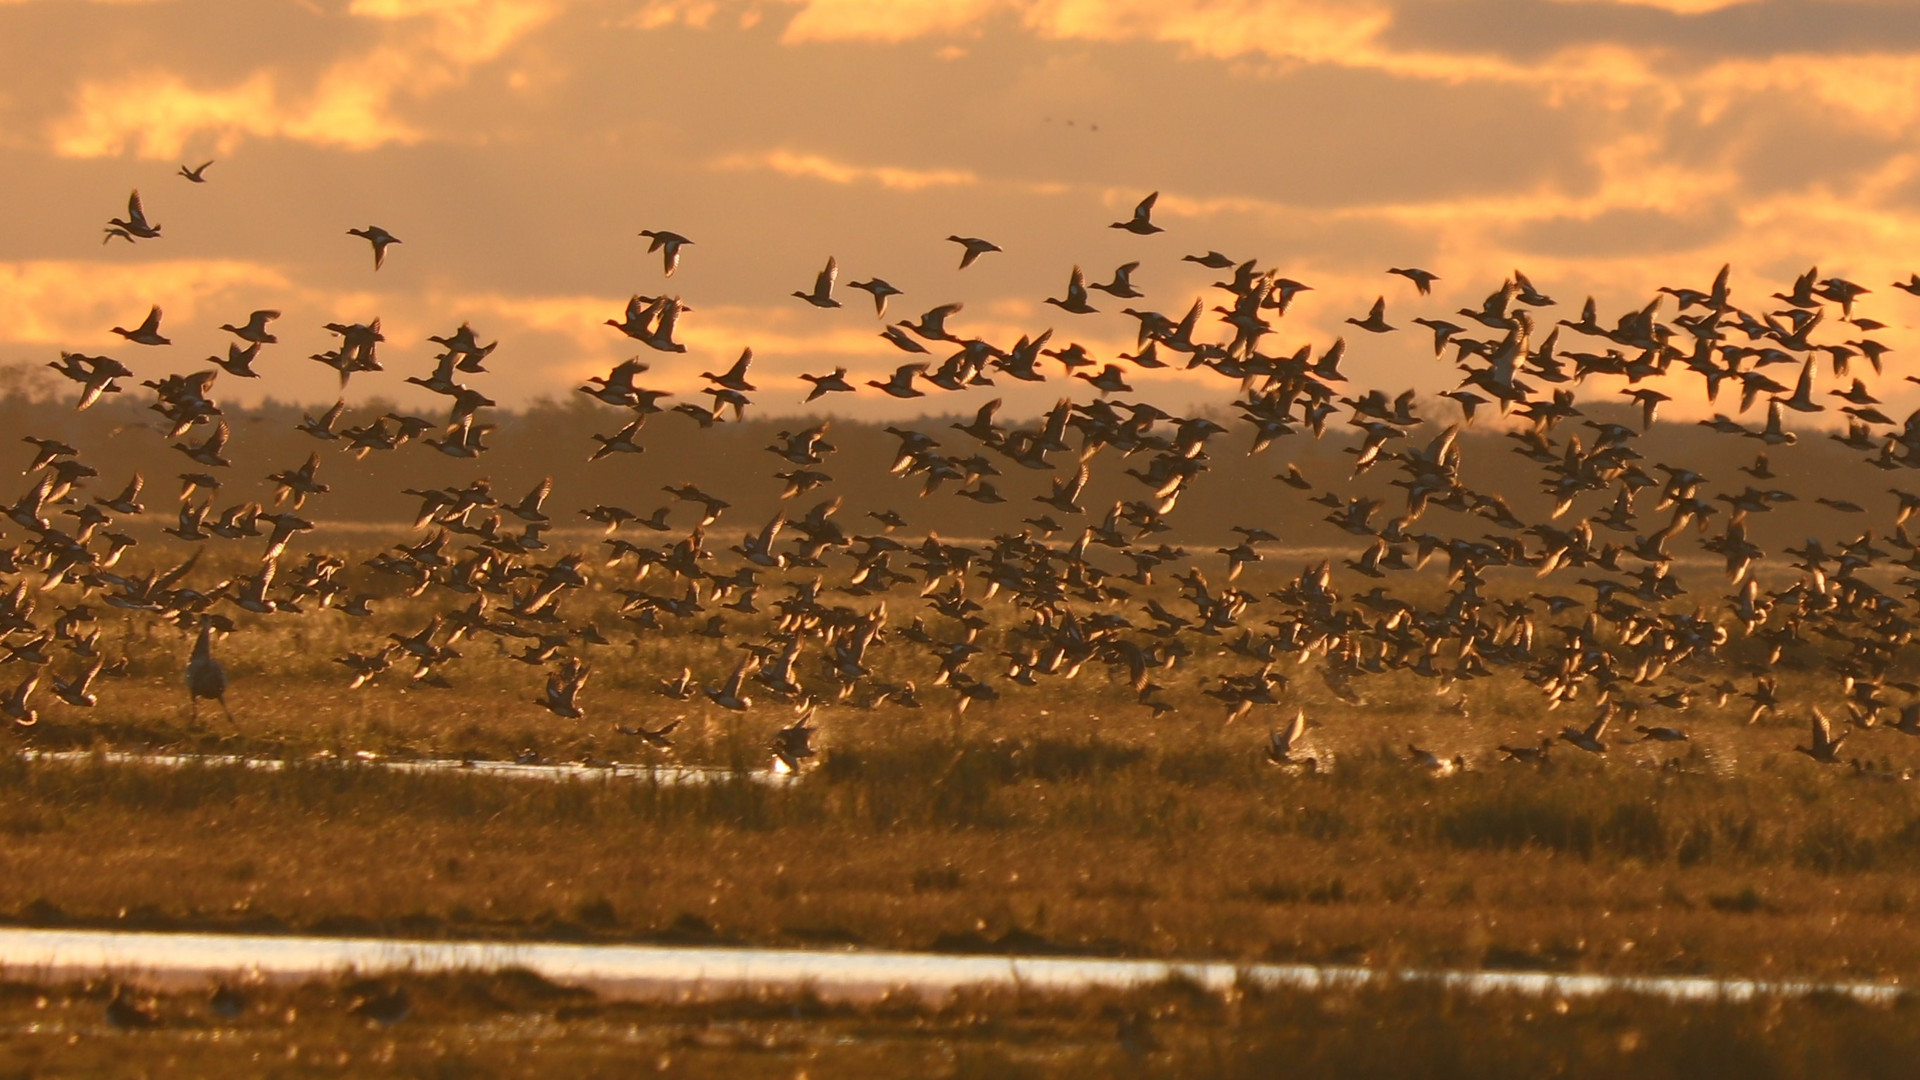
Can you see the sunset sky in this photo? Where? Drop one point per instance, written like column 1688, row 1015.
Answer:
column 517, row 147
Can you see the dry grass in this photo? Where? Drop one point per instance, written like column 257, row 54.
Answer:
column 1017, row 843
column 512, row 1024
column 1064, row 816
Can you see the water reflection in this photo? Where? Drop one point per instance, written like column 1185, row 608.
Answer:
column 652, row 971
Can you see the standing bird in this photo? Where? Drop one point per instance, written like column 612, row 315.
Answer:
column 380, row 238
column 975, row 247
column 1140, row 224
column 668, row 244
column 206, row 678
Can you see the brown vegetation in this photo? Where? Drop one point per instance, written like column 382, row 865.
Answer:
column 510, row 1024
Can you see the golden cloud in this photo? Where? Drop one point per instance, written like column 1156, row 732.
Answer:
column 71, row 303
column 432, row 45
column 818, row 167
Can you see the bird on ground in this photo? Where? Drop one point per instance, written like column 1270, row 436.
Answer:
column 206, row 677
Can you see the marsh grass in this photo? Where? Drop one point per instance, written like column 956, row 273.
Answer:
column 514, row 1024
column 1041, row 843
column 1062, row 817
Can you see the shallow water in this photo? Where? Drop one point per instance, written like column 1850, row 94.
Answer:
column 671, row 775
column 653, row 971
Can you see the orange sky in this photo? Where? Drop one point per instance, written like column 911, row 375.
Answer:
column 517, row 146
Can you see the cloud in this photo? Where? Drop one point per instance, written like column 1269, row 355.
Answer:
column 70, row 304
column 820, row 167
column 428, row 47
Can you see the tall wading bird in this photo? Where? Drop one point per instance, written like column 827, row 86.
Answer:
column 206, row 677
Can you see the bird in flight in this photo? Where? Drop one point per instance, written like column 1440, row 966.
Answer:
column 198, row 174
column 148, row 332
column 1141, row 224
column 668, row 244
column 380, row 238
column 822, row 294
column 1422, row 279
column 975, row 247
column 135, row 226
column 880, row 289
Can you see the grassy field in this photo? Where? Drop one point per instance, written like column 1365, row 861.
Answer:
column 1021, row 842
column 510, row 1024
column 1064, row 816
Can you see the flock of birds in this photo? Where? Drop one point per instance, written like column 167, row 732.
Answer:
column 1073, row 580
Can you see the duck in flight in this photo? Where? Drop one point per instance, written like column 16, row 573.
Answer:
column 135, row 226
column 198, row 174
column 1141, row 223
column 975, row 247
column 380, row 238
column 668, row 244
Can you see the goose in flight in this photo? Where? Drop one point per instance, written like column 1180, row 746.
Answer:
column 255, row 331
column 735, row 377
column 1422, row 280
column 1825, row 747
column 933, row 324
column 135, row 226
column 16, row 705
column 1212, row 260
column 657, row 738
column 148, row 332
column 1283, row 744
column 1122, row 283
column 975, row 247
column 835, row 383
column 1076, row 300
column 822, row 294
column 1376, row 318
column 380, row 238
column 901, row 341
column 79, row 692
column 668, row 244
column 562, row 696
column 1141, row 224
column 198, row 174
column 731, row 696
column 880, row 290
column 1588, row 738
column 792, row 745
column 901, row 384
